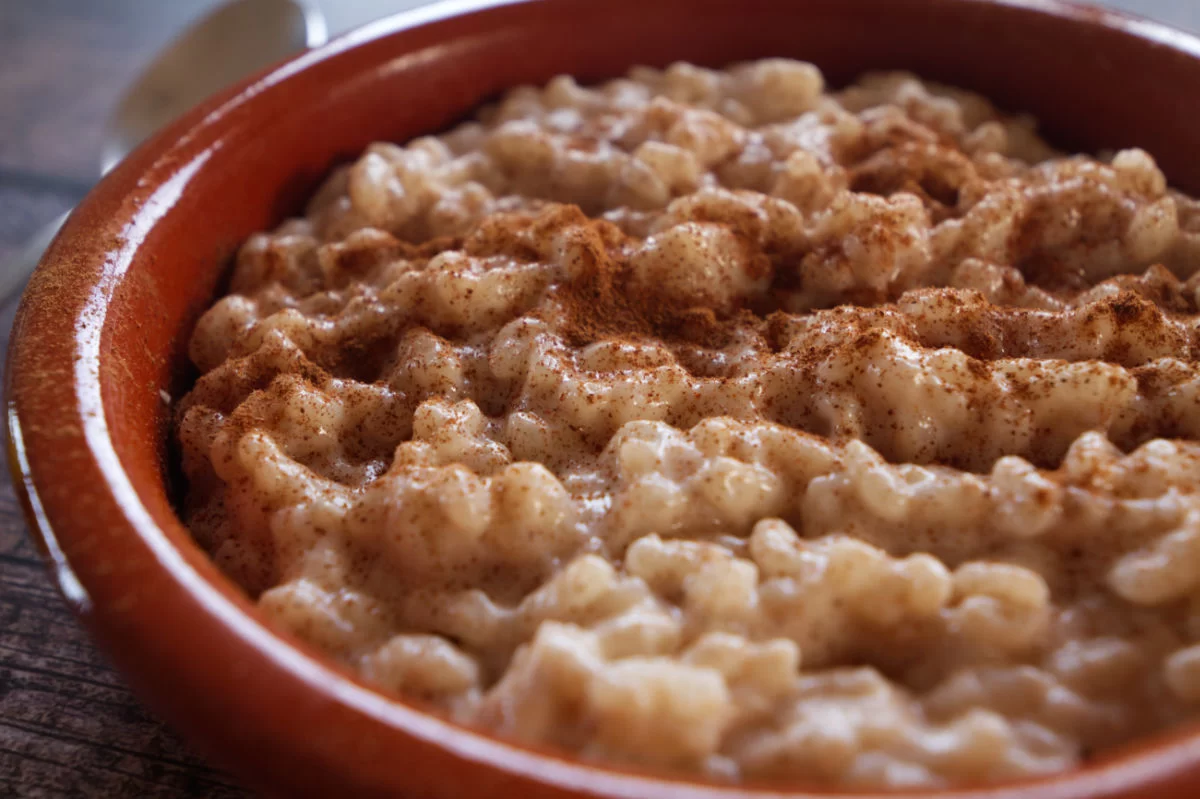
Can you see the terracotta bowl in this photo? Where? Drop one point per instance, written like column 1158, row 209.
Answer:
column 98, row 347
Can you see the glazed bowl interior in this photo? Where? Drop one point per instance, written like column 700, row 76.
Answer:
column 99, row 346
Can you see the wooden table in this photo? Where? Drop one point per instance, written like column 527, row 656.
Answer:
column 68, row 725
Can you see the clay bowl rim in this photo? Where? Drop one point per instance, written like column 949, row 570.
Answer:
column 1142, row 765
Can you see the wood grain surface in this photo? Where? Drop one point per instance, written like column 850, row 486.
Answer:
column 68, row 725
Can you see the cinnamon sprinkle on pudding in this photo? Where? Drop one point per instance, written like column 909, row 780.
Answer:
column 717, row 422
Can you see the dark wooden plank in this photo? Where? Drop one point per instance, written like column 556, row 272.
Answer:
column 29, row 201
column 68, row 725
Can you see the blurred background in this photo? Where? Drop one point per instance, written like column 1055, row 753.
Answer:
column 68, row 726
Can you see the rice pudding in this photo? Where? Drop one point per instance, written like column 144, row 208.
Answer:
column 717, row 422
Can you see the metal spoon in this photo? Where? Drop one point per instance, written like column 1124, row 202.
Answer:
column 235, row 40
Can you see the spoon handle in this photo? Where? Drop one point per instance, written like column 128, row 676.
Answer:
column 16, row 272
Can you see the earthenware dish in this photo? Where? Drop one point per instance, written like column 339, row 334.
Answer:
column 98, row 347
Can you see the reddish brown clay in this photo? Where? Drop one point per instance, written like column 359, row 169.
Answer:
column 101, row 330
